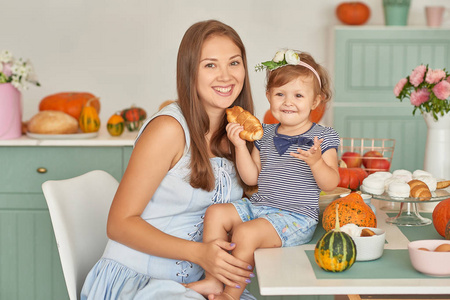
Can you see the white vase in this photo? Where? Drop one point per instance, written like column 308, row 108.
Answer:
column 437, row 147
column 10, row 112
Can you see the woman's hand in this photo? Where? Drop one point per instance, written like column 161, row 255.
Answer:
column 215, row 259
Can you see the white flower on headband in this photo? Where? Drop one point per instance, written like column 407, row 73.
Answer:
column 292, row 57
column 284, row 58
column 279, row 56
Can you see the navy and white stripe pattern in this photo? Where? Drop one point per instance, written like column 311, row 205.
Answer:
column 286, row 182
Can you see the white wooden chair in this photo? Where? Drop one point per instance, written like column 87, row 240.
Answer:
column 79, row 209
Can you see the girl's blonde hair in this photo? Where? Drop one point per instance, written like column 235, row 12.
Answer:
column 287, row 73
column 188, row 61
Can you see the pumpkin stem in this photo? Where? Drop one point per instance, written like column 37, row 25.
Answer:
column 88, row 103
column 337, row 227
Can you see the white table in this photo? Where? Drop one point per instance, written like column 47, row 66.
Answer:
column 288, row 271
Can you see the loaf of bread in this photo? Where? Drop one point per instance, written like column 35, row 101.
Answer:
column 52, row 122
column 419, row 189
column 252, row 127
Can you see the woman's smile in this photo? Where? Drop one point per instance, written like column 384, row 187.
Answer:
column 224, row 90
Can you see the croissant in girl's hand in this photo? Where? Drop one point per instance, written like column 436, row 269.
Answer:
column 252, row 127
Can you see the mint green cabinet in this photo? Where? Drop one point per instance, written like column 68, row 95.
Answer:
column 369, row 61
column 29, row 260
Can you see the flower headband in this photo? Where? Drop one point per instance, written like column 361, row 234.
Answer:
column 284, row 58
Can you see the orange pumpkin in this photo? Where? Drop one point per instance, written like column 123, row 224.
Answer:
column 317, row 113
column 447, row 231
column 165, row 103
column 269, row 118
column 69, row 102
column 441, row 216
column 351, row 210
column 351, row 178
column 353, row 13
column 315, row 116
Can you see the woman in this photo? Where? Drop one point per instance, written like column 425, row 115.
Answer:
column 180, row 165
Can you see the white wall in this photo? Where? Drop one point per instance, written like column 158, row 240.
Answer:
column 125, row 51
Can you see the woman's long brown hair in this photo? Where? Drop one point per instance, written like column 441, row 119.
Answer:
column 188, row 60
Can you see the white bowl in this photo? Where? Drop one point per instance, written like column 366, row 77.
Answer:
column 429, row 262
column 370, row 247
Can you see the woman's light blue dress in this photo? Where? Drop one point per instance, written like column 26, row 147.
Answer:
column 177, row 209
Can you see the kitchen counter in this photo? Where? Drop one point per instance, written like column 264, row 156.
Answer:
column 103, row 139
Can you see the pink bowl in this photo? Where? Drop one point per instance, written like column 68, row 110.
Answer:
column 429, row 262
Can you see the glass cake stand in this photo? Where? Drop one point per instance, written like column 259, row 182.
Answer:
column 409, row 213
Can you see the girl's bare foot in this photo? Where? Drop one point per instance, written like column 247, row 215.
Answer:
column 223, row 296
column 206, row 286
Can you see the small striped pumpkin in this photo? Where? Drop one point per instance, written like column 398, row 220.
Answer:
column 134, row 117
column 115, row 125
column 335, row 251
column 89, row 120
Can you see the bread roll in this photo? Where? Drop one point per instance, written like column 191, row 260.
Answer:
column 367, row 232
column 52, row 122
column 419, row 189
column 413, row 183
column 442, row 184
column 252, row 127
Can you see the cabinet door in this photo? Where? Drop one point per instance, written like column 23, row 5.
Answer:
column 30, row 266
column 369, row 61
column 29, row 259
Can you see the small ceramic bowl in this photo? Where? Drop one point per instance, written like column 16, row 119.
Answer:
column 370, row 247
column 429, row 262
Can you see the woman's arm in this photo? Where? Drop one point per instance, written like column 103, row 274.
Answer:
column 248, row 165
column 158, row 149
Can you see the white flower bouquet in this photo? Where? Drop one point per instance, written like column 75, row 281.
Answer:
column 16, row 71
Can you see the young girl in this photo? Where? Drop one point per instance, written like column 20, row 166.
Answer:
column 291, row 164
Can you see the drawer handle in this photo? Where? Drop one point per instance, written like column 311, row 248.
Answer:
column 41, row 170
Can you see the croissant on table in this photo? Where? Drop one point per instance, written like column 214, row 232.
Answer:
column 419, row 189
column 252, row 127
column 442, row 184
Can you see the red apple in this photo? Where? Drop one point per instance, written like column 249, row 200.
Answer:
column 379, row 164
column 352, row 159
column 369, row 156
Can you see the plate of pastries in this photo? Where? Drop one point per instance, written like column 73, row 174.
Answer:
column 406, row 186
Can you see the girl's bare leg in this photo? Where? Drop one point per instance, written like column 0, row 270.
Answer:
column 219, row 220
column 249, row 236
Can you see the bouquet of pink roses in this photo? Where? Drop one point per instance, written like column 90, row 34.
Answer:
column 428, row 90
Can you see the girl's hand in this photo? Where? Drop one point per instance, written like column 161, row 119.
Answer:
column 233, row 130
column 313, row 155
column 215, row 259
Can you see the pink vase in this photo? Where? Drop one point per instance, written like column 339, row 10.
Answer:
column 10, row 112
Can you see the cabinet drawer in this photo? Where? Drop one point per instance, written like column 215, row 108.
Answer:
column 19, row 165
